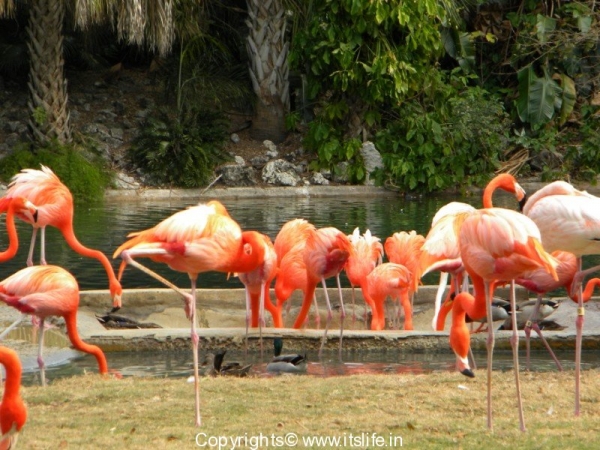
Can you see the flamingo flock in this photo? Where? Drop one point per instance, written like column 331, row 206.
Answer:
column 539, row 248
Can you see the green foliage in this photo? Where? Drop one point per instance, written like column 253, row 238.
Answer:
column 180, row 150
column 432, row 149
column 84, row 173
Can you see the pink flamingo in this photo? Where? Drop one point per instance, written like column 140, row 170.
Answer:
column 257, row 283
column 389, row 280
column 496, row 245
column 368, row 254
column 569, row 220
column 405, row 248
column 199, row 239
column 13, row 413
column 45, row 291
column 54, row 204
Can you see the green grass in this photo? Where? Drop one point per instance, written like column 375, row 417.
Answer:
column 439, row 410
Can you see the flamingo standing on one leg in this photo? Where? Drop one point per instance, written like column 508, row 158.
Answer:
column 569, row 220
column 199, row 239
column 368, row 254
column 389, row 280
column 45, row 291
column 13, row 413
column 325, row 253
column 55, row 208
column 496, row 245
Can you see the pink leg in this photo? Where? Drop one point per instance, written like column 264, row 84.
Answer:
column 40, row 358
column 329, row 317
column 578, row 341
column 514, row 342
column 342, row 313
column 532, row 323
column 195, row 340
column 31, row 247
column 490, row 352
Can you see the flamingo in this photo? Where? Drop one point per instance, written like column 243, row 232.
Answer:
column 325, row 254
column 291, row 269
column 569, row 220
column 257, row 283
column 13, row 413
column 199, row 239
column 496, row 245
column 440, row 244
column 389, row 280
column 45, row 291
column 405, row 248
column 368, row 254
column 54, row 203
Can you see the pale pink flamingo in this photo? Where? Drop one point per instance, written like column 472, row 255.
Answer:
column 368, row 254
column 389, row 280
column 13, row 413
column 199, row 239
column 496, row 245
column 54, row 204
column 569, row 220
column 44, row 291
column 440, row 244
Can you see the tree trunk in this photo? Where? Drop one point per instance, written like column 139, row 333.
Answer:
column 269, row 69
column 47, row 84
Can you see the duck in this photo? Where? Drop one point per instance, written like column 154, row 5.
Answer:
column 289, row 363
column 500, row 312
column 213, row 365
column 525, row 309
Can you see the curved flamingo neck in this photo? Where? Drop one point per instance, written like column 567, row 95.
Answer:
column 502, row 181
column 78, row 344
column 13, row 238
column 589, row 288
column 12, row 366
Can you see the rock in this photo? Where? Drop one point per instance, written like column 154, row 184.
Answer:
column 237, row 175
column 234, row 138
column 372, row 160
column 318, row 178
column 124, row 181
column 239, row 160
column 281, row 173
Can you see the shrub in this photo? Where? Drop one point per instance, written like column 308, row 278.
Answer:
column 181, row 150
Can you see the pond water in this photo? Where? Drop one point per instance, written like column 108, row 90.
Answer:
column 178, row 364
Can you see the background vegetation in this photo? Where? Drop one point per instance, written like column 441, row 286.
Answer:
column 449, row 91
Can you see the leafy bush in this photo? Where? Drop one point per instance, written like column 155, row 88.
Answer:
column 180, row 150
column 431, row 149
column 81, row 170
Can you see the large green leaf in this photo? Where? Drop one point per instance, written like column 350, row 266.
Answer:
column 569, row 96
column 538, row 97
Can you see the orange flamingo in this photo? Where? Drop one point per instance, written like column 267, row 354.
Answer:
column 13, row 413
column 569, row 220
column 325, row 254
column 291, row 269
column 368, row 254
column 199, row 239
column 496, row 245
column 54, row 203
column 45, row 291
column 404, row 248
column 389, row 280
column 440, row 246
column 258, row 283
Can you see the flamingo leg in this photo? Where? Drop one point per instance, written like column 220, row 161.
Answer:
column 317, row 315
column 329, row 317
column 438, row 298
column 248, row 308
column 31, row 247
column 40, row 357
column 261, row 315
column 514, row 342
column 578, row 340
column 195, row 340
column 43, row 247
column 490, row 352
column 353, row 308
column 532, row 323
column 342, row 313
